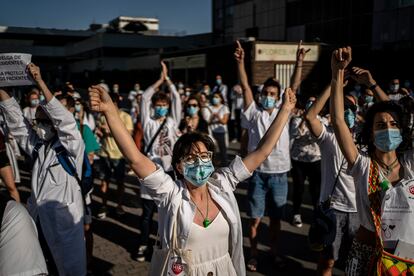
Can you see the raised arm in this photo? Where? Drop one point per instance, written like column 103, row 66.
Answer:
column 244, row 82
column 101, row 102
column 272, row 135
column 363, row 76
column 311, row 116
column 297, row 73
column 339, row 61
column 176, row 105
column 63, row 121
column 18, row 126
column 146, row 100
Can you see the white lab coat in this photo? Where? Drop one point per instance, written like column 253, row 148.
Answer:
column 56, row 200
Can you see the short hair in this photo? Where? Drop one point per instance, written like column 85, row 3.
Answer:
column 184, row 145
column 271, row 82
column 70, row 101
column 160, row 96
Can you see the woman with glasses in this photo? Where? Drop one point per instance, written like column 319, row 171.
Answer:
column 201, row 201
column 193, row 121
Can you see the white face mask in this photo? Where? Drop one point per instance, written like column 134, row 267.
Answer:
column 45, row 131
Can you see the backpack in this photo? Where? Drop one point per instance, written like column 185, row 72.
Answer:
column 85, row 181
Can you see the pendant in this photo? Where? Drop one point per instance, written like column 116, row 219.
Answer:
column 206, row 222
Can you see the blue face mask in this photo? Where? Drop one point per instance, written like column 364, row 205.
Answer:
column 215, row 101
column 161, row 111
column 219, row 81
column 369, row 99
column 198, row 173
column 42, row 98
column 350, row 118
column 268, row 102
column 77, row 107
column 388, row 139
column 34, row 102
column 192, row 110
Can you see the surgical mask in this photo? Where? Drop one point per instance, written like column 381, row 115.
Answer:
column 34, row 102
column 188, row 94
column 180, row 85
column 219, row 81
column 161, row 111
column 357, row 87
column 42, row 98
column 77, row 107
column 369, row 99
column 388, row 139
column 192, row 110
column 215, row 101
column 308, row 105
column 394, row 87
column 268, row 102
column 45, row 131
column 136, row 88
column 198, row 173
column 115, row 89
column 207, row 91
column 350, row 118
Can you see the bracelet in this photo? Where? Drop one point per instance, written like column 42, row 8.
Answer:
column 372, row 87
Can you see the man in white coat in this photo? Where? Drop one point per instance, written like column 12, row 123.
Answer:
column 55, row 202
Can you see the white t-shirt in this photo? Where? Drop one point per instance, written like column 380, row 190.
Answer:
column 20, row 251
column 343, row 198
column 398, row 201
column 221, row 111
column 257, row 121
column 29, row 113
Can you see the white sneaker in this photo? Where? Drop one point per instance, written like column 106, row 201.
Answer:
column 141, row 253
column 297, row 221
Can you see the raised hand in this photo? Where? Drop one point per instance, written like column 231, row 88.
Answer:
column 164, row 71
column 239, row 53
column 289, row 99
column 362, row 76
column 99, row 99
column 341, row 58
column 301, row 52
column 34, row 72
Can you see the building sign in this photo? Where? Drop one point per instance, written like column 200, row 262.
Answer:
column 187, row 62
column 283, row 52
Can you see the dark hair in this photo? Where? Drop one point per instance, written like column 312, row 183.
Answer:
column 184, row 145
column 272, row 82
column 70, row 102
column 220, row 95
column 160, row 96
column 192, row 97
column 395, row 110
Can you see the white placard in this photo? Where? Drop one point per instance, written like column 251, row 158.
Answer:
column 13, row 69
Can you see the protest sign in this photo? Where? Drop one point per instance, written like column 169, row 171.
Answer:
column 13, row 69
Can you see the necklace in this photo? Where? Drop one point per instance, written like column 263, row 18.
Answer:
column 206, row 221
column 387, row 168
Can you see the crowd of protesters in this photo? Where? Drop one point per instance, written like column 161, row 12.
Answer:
column 356, row 156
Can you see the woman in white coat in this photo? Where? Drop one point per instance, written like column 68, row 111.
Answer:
column 55, row 202
column 202, row 195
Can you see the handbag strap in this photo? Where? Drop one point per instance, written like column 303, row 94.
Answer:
column 337, row 177
column 155, row 137
column 374, row 196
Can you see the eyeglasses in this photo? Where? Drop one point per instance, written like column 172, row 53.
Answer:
column 204, row 157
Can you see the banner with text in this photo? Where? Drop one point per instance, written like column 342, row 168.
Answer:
column 13, row 69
